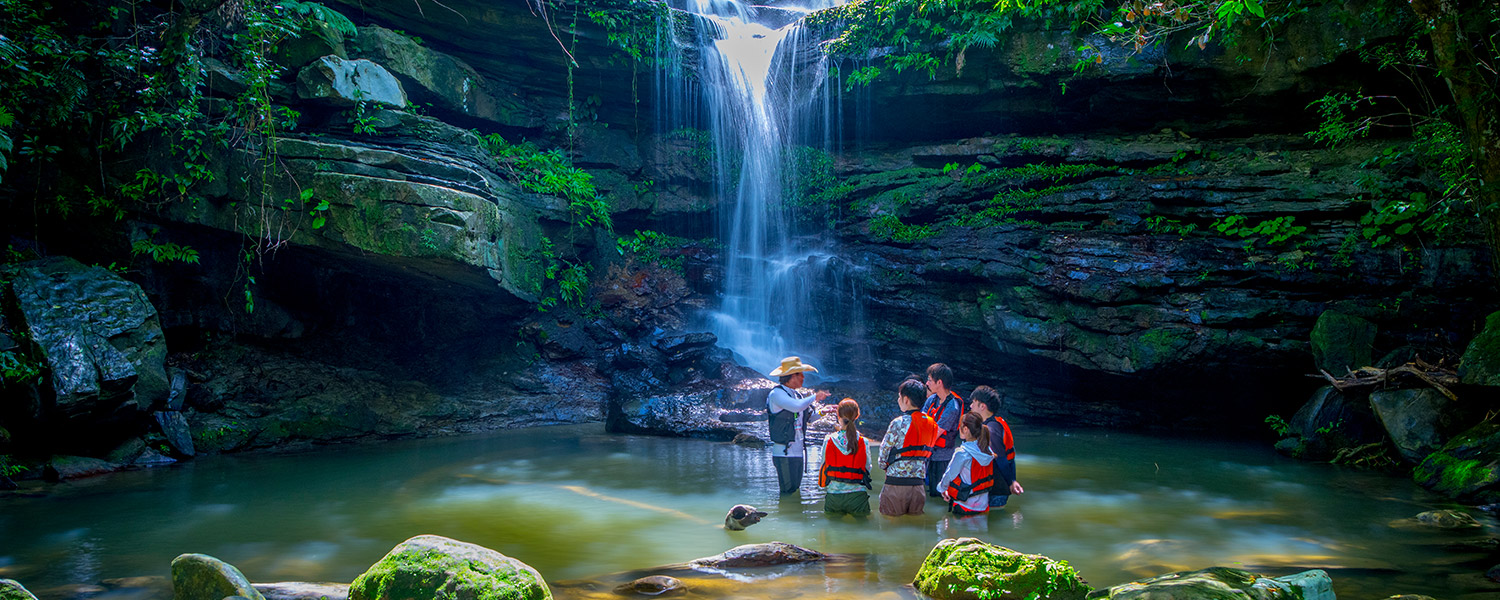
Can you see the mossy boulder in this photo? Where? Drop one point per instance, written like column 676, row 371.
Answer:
column 1341, row 342
column 1223, row 583
column 1480, row 364
column 11, row 589
column 203, row 577
column 1467, row 468
column 429, row 567
column 969, row 569
column 1419, row 420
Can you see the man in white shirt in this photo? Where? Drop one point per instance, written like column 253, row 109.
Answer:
column 787, row 415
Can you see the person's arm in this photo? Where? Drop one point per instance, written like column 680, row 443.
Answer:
column 955, row 468
column 892, row 441
column 779, row 399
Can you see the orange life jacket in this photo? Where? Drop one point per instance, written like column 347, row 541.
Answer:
column 844, row 467
column 947, row 438
column 920, row 436
column 982, row 478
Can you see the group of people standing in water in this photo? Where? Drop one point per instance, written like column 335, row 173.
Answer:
column 939, row 447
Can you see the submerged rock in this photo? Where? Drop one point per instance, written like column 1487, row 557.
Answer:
column 301, row 590
column 1224, row 583
column 203, row 577
column 969, row 569
column 1448, row 519
column 64, row 468
column 11, row 589
column 653, row 585
column 769, row 554
column 429, row 567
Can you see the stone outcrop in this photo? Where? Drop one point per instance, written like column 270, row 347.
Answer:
column 1480, row 364
column 1342, row 343
column 203, row 577
column 1224, row 583
column 348, row 83
column 1331, row 420
column 430, row 567
column 301, row 590
column 101, row 341
column 1419, row 421
column 969, row 569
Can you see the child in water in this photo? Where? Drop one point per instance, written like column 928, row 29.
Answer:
column 970, row 476
column 846, row 466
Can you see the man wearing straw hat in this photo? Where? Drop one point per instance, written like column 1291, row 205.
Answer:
column 787, row 407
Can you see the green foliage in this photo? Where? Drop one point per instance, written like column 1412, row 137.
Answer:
column 651, row 247
column 1446, row 209
column 8, row 468
column 551, row 172
column 888, row 227
column 636, row 27
column 163, row 251
column 323, row 21
column 16, row 366
column 1163, row 225
column 1337, row 121
column 1279, row 425
column 1273, row 231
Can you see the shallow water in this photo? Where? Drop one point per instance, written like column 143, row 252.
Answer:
column 580, row 504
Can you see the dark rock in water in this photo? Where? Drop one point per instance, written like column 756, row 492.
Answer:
column 175, row 426
column 743, row 415
column 203, row 577
column 1410, row 597
column 1331, row 420
column 769, row 554
column 749, row 441
column 690, row 414
column 430, row 567
column 652, row 585
column 11, row 589
column 127, row 452
column 301, row 590
column 99, row 334
column 1342, row 343
column 687, row 346
column 1467, row 469
column 152, row 458
column 1448, row 519
column 65, row 468
column 741, row 516
column 1493, row 574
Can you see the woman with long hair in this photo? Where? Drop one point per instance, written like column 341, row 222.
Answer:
column 845, row 473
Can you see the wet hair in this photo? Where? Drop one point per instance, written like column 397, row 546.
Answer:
column 941, row 372
column 975, row 424
column 914, row 391
column 849, row 412
column 987, row 396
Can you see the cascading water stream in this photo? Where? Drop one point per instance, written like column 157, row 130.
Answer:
column 754, row 84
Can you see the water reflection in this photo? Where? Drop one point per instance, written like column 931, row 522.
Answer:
column 587, row 508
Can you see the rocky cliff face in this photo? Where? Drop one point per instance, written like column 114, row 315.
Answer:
column 1148, row 241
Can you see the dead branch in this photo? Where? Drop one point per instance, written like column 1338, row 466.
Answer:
column 1438, row 377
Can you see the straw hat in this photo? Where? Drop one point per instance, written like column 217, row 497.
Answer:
column 791, row 365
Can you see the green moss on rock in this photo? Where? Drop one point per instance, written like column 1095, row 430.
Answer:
column 430, row 567
column 969, row 569
column 1467, row 469
column 1480, row 364
column 203, row 577
column 11, row 589
column 1223, row 583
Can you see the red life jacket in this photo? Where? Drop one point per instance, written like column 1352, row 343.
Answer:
column 981, row 479
column 946, row 439
column 920, row 436
column 1008, row 444
column 853, row 468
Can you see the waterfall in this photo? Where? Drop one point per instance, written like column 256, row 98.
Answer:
column 762, row 85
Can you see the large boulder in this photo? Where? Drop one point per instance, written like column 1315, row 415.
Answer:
column 11, row 589
column 1418, row 420
column 969, row 569
column 203, row 577
column 1480, row 364
column 99, row 335
column 1224, row 583
column 429, row 567
column 346, row 83
column 1329, row 421
column 437, row 79
column 1467, row 468
column 1342, row 343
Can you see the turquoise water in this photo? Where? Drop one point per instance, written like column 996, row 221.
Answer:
column 582, row 505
